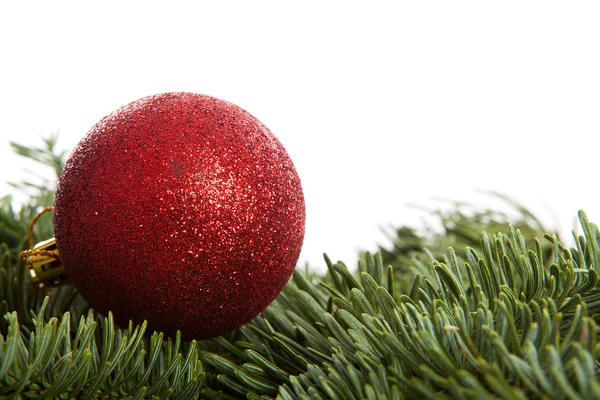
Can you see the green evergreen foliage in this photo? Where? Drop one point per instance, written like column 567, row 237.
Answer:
column 40, row 191
column 476, row 310
column 460, row 227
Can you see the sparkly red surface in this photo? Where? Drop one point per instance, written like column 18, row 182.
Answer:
column 181, row 209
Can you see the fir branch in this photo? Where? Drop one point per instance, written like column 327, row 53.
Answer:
column 40, row 192
column 51, row 362
column 46, row 155
column 508, row 329
column 458, row 314
column 488, row 335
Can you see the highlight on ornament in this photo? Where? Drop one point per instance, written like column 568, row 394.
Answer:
column 180, row 209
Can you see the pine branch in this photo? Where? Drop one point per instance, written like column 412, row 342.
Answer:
column 510, row 330
column 14, row 223
column 46, row 155
column 52, row 362
column 501, row 314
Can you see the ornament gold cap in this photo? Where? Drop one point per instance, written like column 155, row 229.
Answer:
column 43, row 259
column 44, row 264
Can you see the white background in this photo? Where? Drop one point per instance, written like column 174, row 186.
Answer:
column 379, row 104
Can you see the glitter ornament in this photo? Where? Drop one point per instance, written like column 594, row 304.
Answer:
column 180, row 209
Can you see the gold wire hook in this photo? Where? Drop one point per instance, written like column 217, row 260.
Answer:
column 43, row 259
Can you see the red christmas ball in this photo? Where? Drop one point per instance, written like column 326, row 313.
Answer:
column 180, row 209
